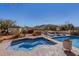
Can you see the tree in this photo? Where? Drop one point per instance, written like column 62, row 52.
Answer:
column 5, row 24
column 67, row 27
column 23, row 31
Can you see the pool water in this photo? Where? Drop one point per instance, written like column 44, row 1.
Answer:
column 74, row 39
column 29, row 44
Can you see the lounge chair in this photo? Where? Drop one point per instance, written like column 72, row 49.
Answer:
column 67, row 45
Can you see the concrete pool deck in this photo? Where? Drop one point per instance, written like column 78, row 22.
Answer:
column 42, row 50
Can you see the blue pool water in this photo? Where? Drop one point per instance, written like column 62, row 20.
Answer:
column 74, row 39
column 29, row 44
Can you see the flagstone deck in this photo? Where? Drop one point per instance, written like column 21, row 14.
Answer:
column 42, row 50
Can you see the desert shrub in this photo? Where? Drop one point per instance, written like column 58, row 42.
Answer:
column 30, row 31
column 76, row 32
column 24, row 32
column 36, row 33
column 16, row 34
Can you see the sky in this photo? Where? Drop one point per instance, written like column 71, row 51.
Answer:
column 32, row 14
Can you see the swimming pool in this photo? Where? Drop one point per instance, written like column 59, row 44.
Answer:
column 29, row 44
column 74, row 39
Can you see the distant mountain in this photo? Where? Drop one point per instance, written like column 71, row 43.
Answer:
column 27, row 27
column 16, row 26
column 50, row 27
column 77, row 27
column 46, row 26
